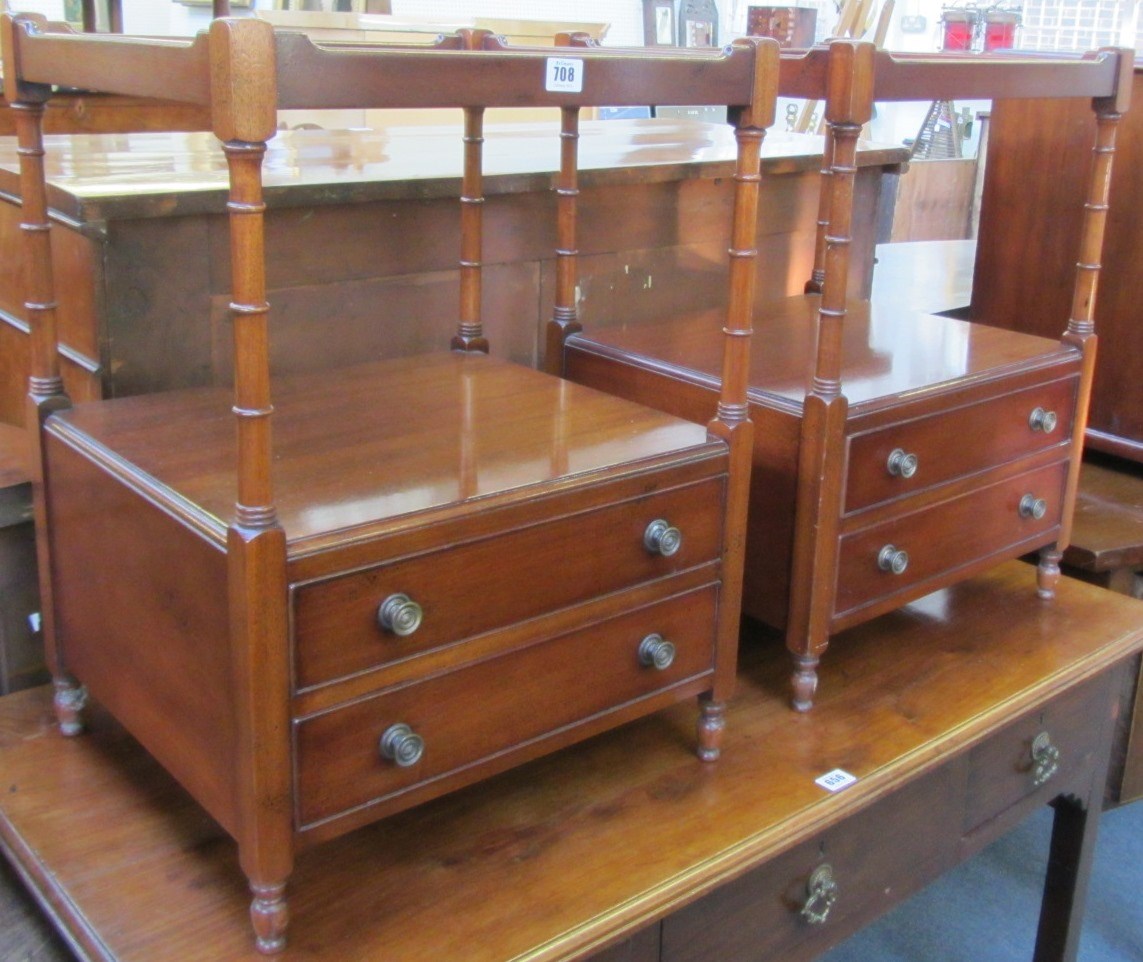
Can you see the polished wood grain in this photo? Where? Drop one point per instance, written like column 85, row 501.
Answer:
column 1005, row 294
column 451, row 445
column 1108, row 528
column 92, row 113
column 556, row 859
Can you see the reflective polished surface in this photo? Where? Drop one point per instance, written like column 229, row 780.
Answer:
column 887, row 351
column 165, row 173
column 440, row 428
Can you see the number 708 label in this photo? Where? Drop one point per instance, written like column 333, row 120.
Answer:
column 565, row 75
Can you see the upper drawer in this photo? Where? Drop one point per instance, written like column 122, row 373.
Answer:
column 499, row 704
column 495, row 581
column 956, row 442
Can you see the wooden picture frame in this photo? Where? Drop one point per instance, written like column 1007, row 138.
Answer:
column 659, row 23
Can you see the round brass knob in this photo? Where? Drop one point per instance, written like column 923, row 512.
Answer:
column 1033, row 507
column 401, row 745
column 892, row 559
column 901, row 464
column 1045, row 759
column 821, row 894
column 400, row 615
column 656, row 652
column 1041, row 420
column 662, row 538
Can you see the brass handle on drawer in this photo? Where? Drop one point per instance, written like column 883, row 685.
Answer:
column 1045, row 759
column 1041, row 420
column 662, row 538
column 1033, row 507
column 901, row 464
column 656, row 652
column 892, row 559
column 400, row 614
column 401, row 745
column 821, row 893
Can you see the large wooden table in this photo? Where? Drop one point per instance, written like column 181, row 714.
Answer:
column 362, row 229
column 626, row 845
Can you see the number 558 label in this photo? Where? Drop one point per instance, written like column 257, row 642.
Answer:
column 564, row 75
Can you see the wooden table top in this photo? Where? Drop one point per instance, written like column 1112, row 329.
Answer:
column 571, row 852
column 887, row 350
column 473, row 429
column 1108, row 527
column 96, row 176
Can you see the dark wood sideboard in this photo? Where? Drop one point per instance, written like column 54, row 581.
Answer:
column 625, row 847
column 1038, row 155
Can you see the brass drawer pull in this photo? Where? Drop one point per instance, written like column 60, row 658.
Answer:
column 400, row 615
column 1033, row 507
column 1041, row 420
column 901, row 464
column 1045, row 759
column 402, row 746
column 662, row 538
column 892, row 559
column 821, row 894
column 656, row 652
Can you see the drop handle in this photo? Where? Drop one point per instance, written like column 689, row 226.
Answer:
column 1033, row 507
column 892, row 559
column 821, row 894
column 662, row 538
column 400, row 615
column 656, row 652
column 401, row 745
column 1045, row 759
column 901, row 464
column 1042, row 420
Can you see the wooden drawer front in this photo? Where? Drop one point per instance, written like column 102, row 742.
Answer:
column 476, row 712
column 956, row 442
column 947, row 535
column 490, row 583
column 875, row 857
column 1003, row 770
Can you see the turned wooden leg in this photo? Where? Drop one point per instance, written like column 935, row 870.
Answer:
column 69, row 701
column 1048, row 572
column 270, row 915
column 711, row 722
column 804, row 681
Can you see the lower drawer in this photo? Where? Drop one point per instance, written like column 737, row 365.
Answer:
column 946, row 536
column 874, row 859
column 496, row 705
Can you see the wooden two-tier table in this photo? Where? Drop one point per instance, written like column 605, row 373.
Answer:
column 957, row 715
